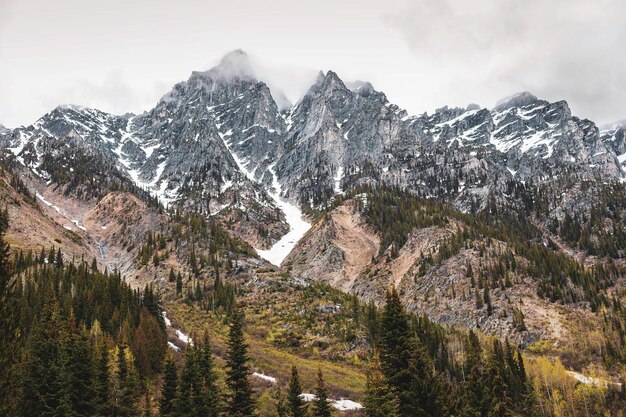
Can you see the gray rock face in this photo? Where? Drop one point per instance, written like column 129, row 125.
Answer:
column 614, row 139
column 219, row 140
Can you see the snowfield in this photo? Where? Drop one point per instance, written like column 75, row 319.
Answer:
column 297, row 225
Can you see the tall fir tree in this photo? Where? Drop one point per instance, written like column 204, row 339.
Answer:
column 128, row 392
column 380, row 400
column 321, row 404
column 473, row 400
column 240, row 401
column 188, row 394
column 102, row 389
column 168, row 391
column 395, row 350
column 405, row 362
column 208, row 404
column 296, row 405
column 78, row 371
column 41, row 381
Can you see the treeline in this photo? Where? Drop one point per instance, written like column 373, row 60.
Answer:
column 203, row 245
column 598, row 227
column 394, row 213
column 602, row 230
column 86, row 174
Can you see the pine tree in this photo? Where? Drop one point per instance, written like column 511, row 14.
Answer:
column 280, row 403
column 405, row 363
column 380, row 400
column 179, row 285
column 321, row 406
column 240, row 401
column 189, row 386
column 42, row 384
column 494, row 379
column 209, row 393
column 128, row 387
column 487, row 299
column 78, row 371
column 395, row 353
column 472, row 401
column 102, row 381
column 297, row 406
column 168, row 391
column 149, row 344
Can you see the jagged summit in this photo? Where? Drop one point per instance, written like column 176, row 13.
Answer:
column 223, row 133
column 361, row 87
column 234, row 65
column 326, row 83
column 521, row 99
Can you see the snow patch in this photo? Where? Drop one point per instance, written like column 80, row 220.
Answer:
column 297, row 225
column 179, row 334
column 346, row 405
column 264, row 377
column 338, row 178
column 588, row 380
column 183, row 337
column 341, row 404
column 58, row 210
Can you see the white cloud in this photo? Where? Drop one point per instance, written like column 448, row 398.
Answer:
column 113, row 94
column 122, row 56
column 558, row 49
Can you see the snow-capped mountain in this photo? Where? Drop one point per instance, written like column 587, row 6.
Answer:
column 221, row 144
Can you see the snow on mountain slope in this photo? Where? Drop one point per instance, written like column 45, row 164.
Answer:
column 298, row 226
column 209, row 144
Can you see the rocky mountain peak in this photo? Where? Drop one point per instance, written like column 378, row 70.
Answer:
column 332, row 81
column 327, row 84
column 522, row 99
column 234, row 65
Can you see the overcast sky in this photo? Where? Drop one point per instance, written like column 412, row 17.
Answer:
column 122, row 55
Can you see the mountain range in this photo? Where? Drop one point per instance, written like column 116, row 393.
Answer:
column 219, row 143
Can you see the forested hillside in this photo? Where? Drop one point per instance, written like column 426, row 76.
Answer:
column 79, row 341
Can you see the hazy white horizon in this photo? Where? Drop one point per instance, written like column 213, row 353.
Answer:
column 121, row 56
